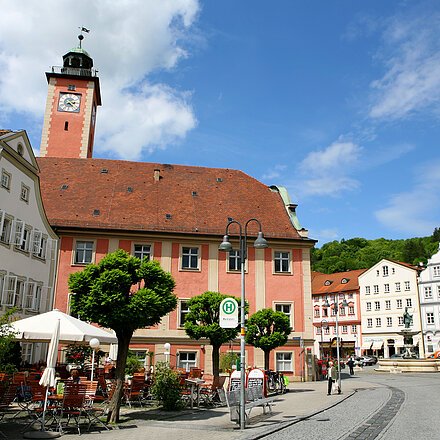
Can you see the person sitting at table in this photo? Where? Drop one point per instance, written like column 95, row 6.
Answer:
column 74, row 376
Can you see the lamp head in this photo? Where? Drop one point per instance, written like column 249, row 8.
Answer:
column 94, row 343
column 167, row 346
column 225, row 245
column 260, row 242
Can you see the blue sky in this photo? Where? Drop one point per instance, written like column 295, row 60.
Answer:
column 338, row 101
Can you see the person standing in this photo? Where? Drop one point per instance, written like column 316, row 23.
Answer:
column 350, row 364
column 331, row 376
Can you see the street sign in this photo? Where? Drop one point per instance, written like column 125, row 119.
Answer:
column 229, row 313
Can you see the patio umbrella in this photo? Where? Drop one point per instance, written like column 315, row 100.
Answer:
column 39, row 328
column 113, row 352
column 48, row 380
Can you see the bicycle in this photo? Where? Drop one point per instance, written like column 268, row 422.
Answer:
column 275, row 382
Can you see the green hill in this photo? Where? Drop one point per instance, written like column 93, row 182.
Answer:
column 359, row 253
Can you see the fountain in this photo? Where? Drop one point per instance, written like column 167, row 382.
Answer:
column 410, row 361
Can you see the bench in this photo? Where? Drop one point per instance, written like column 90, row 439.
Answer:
column 253, row 398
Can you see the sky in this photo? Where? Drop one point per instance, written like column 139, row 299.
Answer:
column 338, row 101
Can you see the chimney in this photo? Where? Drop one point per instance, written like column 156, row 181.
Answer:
column 156, row 174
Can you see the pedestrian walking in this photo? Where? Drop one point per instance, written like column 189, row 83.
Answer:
column 331, row 376
column 350, row 364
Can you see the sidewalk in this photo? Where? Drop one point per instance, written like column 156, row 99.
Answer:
column 303, row 400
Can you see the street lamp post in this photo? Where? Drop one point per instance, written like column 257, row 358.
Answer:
column 94, row 344
column 336, row 308
column 167, row 347
column 259, row 243
column 324, row 324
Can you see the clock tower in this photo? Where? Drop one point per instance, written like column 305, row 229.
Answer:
column 72, row 99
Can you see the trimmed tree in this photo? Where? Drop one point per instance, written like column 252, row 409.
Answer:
column 203, row 321
column 124, row 294
column 267, row 329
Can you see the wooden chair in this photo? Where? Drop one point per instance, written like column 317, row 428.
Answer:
column 135, row 391
column 73, row 406
column 212, row 393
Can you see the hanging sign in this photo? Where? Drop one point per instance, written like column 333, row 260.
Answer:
column 229, row 313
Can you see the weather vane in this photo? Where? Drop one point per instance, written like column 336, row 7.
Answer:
column 81, row 36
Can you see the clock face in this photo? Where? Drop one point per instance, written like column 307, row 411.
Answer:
column 69, row 102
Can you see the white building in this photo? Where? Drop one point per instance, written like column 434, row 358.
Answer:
column 27, row 242
column 386, row 290
column 429, row 292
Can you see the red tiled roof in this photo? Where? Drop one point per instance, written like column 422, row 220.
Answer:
column 127, row 197
column 336, row 285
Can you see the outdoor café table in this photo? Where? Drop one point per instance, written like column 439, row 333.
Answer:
column 194, row 385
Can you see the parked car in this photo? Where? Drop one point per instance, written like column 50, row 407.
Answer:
column 367, row 360
column 435, row 355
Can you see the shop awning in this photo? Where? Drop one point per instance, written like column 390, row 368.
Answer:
column 366, row 345
column 377, row 345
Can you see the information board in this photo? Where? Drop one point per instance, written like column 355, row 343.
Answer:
column 256, row 377
column 235, row 380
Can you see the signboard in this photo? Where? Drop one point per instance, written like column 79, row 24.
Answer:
column 235, row 380
column 229, row 313
column 256, row 377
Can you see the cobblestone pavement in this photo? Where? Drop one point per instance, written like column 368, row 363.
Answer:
column 403, row 407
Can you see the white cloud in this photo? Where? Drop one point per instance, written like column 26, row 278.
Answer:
column 128, row 40
column 411, row 55
column 327, row 172
column 274, row 173
column 415, row 211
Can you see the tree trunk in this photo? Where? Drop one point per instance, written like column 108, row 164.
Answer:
column 216, row 360
column 124, row 338
column 266, row 360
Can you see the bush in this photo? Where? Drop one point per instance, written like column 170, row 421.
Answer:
column 166, row 387
column 133, row 364
column 10, row 350
column 227, row 360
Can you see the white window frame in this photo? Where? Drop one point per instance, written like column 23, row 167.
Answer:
column 282, row 259
column 9, row 289
column 377, row 306
column 18, row 228
column 368, row 306
column 386, row 288
column 376, row 288
column 5, row 181
column 182, row 312
column 436, row 271
column 27, row 350
column 186, row 364
column 400, row 320
column 398, row 287
column 385, row 271
column 84, row 250
column 378, row 322
column 345, row 329
column 284, row 361
column 387, row 304
column 190, row 257
column 428, row 292
column 367, row 290
column 370, row 323
column 354, row 329
column 399, row 303
column 28, row 295
column 24, row 193
column 143, row 253
column 351, row 310
column 285, row 305
column 408, row 302
column 389, row 321
column 233, row 256
column 407, row 286
column 430, row 318
column 317, row 313
column 6, row 223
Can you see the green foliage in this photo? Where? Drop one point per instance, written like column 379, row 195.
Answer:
column 81, row 354
column 227, row 360
column 267, row 329
column 10, row 350
column 108, row 293
column 203, row 321
column 359, row 253
column 133, row 364
column 123, row 293
column 166, row 387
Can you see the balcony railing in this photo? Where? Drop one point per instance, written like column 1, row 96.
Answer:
column 79, row 71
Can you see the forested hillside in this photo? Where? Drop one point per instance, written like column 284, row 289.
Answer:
column 359, row 253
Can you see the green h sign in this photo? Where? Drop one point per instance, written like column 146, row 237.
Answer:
column 228, row 313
